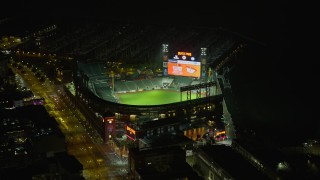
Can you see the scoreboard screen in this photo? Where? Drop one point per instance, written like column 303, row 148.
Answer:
column 184, row 68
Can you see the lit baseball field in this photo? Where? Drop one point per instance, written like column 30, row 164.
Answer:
column 154, row 97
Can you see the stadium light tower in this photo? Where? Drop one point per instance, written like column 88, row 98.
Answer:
column 165, row 48
column 112, row 79
column 110, row 74
column 165, row 59
column 204, row 67
column 203, row 51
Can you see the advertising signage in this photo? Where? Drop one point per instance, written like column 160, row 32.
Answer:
column 181, row 64
column 184, row 68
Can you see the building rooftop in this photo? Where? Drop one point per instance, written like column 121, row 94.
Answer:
column 171, row 165
column 232, row 162
column 263, row 151
column 159, row 123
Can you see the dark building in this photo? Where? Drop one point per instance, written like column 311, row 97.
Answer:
column 281, row 162
column 6, row 74
column 160, row 163
column 59, row 166
column 153, row 128
column 222, row 162
column 33, row 145
column 3, row 65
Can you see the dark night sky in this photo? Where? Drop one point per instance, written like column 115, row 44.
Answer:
column 263, row 20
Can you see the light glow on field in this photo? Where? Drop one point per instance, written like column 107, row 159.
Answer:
column 154, row 97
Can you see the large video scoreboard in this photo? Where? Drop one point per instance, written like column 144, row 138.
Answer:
column 182, row 64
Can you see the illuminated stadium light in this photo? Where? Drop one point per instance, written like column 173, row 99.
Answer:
column 165, row 48
column 203, row 51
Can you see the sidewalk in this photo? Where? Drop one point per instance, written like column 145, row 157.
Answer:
column 111, row 147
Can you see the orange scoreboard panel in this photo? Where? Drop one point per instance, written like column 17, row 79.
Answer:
column 184, row 68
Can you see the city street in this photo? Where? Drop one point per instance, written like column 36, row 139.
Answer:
column 98, row 159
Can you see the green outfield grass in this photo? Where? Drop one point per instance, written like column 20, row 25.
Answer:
column 154, row 97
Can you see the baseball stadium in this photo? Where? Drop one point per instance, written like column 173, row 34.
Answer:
column 144, row 72
column 147, row 91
